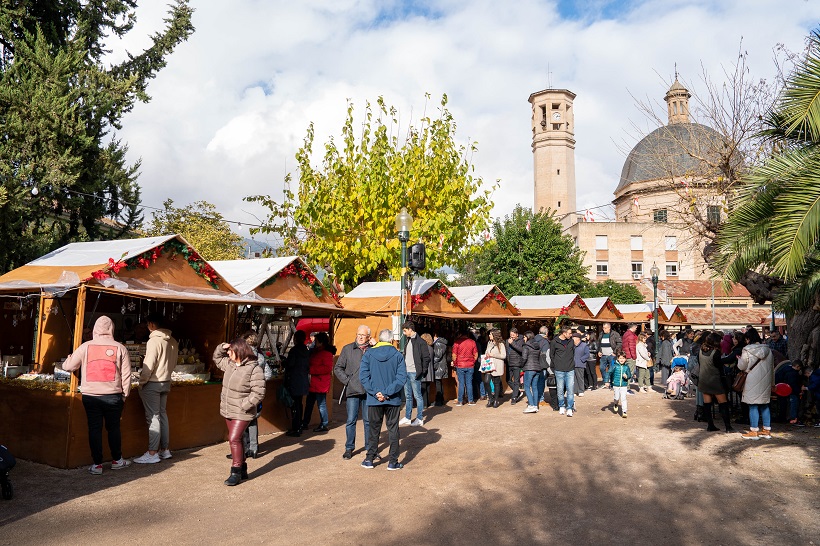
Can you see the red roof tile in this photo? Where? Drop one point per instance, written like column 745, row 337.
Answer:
column 691, row 289
column 734, row 317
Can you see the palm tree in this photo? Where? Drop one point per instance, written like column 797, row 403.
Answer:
column 773, row 230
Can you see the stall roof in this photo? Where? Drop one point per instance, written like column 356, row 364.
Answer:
column 550, row 306
column 556, row 301
column 472, row 296
column 72, row 264
column 389, row 289
column 603, row 306
column 247, row 275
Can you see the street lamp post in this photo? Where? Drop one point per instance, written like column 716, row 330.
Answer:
column 654, row 271
column 404, row 223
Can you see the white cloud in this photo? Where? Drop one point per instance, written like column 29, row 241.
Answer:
column 234, row 102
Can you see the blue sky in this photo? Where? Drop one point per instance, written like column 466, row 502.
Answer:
column 233, row 104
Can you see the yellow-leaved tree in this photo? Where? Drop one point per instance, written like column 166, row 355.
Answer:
column 342, row 216
column 202, row 226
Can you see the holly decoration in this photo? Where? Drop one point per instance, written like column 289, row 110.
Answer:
column 298, row 269
column 173, row 248
column 496, row 295
column 436, row 288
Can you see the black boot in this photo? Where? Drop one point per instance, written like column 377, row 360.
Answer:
column 726, row 414
column 699, row 414
column 244, row 471
column 707, row 412
column 235, row 477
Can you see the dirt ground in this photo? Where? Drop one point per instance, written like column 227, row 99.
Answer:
column 473, row 475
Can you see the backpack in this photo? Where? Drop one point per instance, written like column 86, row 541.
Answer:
column 693, row 365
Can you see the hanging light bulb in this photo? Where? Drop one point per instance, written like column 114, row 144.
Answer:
column 35, row 191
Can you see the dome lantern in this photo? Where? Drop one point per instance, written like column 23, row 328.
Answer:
column 677, row 103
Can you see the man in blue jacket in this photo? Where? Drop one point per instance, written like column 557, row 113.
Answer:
column 383, row 374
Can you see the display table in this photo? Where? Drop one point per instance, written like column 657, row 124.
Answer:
column 51, row 427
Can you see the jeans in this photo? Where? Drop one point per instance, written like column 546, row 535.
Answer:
column 565, row 380
column 756, row 411
column 250, row 439
column 320, row 399
column 794, row 405
column 105, row 408
column 389, row 414
column 465, row 380
column 236, row 429
column 154, row 396
column 606, row 363
column 412, row 390
column 356, row 404
column 531, row 387
column 541, row 385
column 478, row 384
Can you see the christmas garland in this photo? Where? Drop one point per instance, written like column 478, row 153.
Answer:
column 296, row 268
column 494, row 294
column 437, row 288
column 148, row 258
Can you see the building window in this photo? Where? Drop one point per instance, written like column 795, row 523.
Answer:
column 600, row 242
column 659, row 216
column 713, row 215
column 637, row 270
column 671, row 269
column 556, row 105
column 559, row 171
column 602, row 269
column 671, row 243
column 636, row 242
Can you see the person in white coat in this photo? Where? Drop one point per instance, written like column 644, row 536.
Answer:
column 757, row 361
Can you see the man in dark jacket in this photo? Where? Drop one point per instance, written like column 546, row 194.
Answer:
column 562, row 353
column 347, row 370
column 609, row 343
column 544, row 341
column 532, row 368
column 383, row 374
column 417, row 360
column 515, row 346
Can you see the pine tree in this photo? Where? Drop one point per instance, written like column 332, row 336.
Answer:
column 62, row 168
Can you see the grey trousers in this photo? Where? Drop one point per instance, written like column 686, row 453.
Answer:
column 154, row 396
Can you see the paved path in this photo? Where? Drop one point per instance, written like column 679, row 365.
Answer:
column 473, row 476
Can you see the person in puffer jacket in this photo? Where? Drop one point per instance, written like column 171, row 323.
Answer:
column 105, row 380
column 243, row 388
column 757, row 361
column 530, row 358
column 619, row 376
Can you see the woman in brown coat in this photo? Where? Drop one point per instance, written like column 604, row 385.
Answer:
column 243, row 388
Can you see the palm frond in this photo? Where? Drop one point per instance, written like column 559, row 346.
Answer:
column 800, row 103
column 800, row 294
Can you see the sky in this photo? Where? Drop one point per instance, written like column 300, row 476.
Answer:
column 231, row 108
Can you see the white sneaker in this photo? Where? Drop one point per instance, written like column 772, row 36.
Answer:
column 147, row 458
column 569, row 413
column 531, row 409
column 95, row 469
column 165, row 454
column 579, row 394
column 404, row 421
column 119, row 465
column 562, row 411
column 416, row 422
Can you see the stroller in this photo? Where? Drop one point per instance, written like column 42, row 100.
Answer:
column 683, row 386
column 7, row 462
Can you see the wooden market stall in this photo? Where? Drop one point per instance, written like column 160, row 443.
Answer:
column 125, row 280
column 540, row 309
column 603, row 310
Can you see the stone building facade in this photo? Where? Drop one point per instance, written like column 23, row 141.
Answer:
column 662, row 182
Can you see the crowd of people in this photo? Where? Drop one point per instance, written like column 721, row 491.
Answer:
column 379, row 380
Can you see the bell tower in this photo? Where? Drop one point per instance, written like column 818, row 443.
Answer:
column 553, row 149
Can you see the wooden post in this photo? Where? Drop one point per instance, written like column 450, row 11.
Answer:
column 79, row 318
column 41, row 319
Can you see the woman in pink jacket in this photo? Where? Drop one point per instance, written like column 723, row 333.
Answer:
column 105, row 380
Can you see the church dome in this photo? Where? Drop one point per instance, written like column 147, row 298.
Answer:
column 674, row 150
